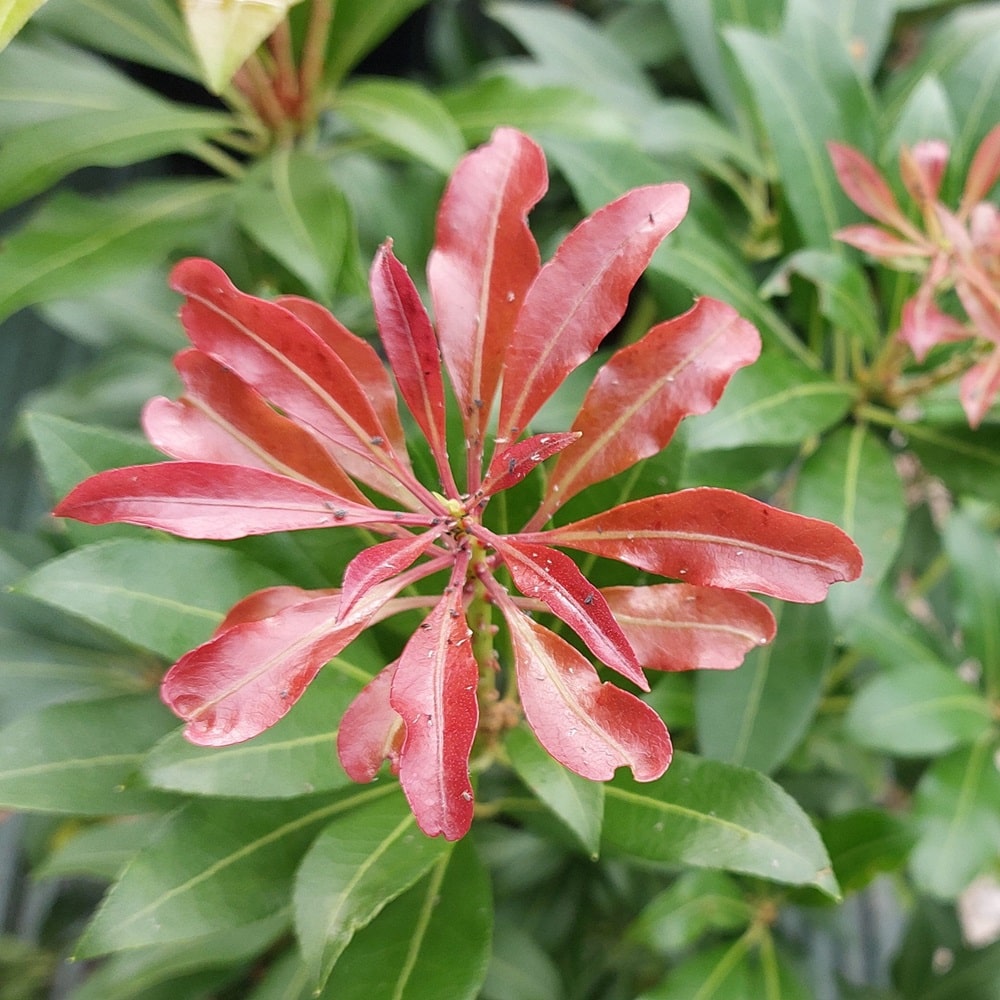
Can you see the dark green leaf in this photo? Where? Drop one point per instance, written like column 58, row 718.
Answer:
column 432, row 943
column 975, row 975
column 957, row 811
column 520, row 969
column 579, row 803
column 918, row 710
column 99, row 851
column 756, row 715
column 163, row 596
column 294, row 757
column 967, row 460
column 865, row 843
column 213, row 865
column 714, row 815
column 81, row 757
column 361, row 862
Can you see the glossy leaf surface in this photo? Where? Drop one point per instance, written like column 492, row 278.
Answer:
column 371, row 730
column 718, row 538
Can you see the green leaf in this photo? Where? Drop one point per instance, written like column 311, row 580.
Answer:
column 163, row 596
column 957, row 811
column 973, row 551
column 291, row 207
column 296, row 756
column 865, row 843
column 358, row 864
column 150, row 33
column 777, row 400
column 714, row 815
column 358, row 26
column 213, row 865
column 967, row 460
column 112, row 127
column 918, row 710
column 756, row 715
column 98, row 851
column 520, row 969
column 80, row 757
column 13, row 14
column 432, row 943
column 478, row 107
column 73, row 244
column 579, row 803
column 851, row 480
column 975, row 975
column 800, row 116
column 405, row 116
column 697, row 904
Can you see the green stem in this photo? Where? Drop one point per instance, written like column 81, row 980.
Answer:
column 216, row 158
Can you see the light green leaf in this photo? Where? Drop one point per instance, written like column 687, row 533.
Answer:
column 296, row 756
column 163, row 596
column 432, row 943
column 100, row 850
column 150, row 33
column 358, row 26
column 73, row 244
column 974, row 552
column 714, row 815
column 291, row 207
column 927, row 112
column 957, row 811
column 81, row 757
column 851, row 480
column 226, row 33
column 213, row 865
column 775, row 401
column 405, row 116
column 358, row 864
column 13, row 14
column 579, row 803
column 920, row 710
column 756, row 715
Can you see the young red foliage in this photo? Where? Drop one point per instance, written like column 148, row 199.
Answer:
column 288, row 420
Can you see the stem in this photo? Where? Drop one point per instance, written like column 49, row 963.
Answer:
column 314, row 55
column 263, row 95
column 286, row 80
column 216, row 158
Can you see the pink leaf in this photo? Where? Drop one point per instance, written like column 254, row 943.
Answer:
column 923, row 325
column 371, row 730
column 984, row 172
column 674, row 626
column 266, row 603
column 380, row 562
column 867, row 188
column 880, row 243
column 279, row 356
column 412, row 349
column 221, row 419
column 553, row 578
column 483, row 261
column 922, row 169
column 580, row 294
column 980, row 387
column 589, row 727
column 638, row 398
column 514, row 463
column 245, row 679
column 718, row 538
column 212, row 500
column 434, row 692
column 360, row 357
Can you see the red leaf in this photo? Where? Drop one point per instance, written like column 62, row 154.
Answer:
column 412, row 349
column 212, row 500
column 434, row 692
column 380, row 562
column 674, row 626
column 880, row 243
column 221, row 419
column 371, row 730
column 640, row 396
column 980, row 387
column 984, row 171
column 718, row 538
column 360, row 357
column 286, row 362
column 589, row 727
column 580, row 294
column 483, row 261
column 553, row 578
column 245, row 679
column 923, row 325
column 922, row 169
column 266, row 603
column 514, row 463
column 867, row 188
